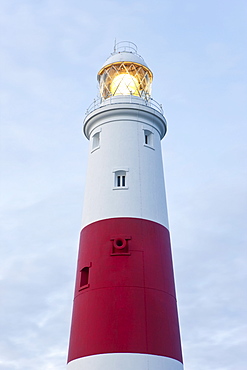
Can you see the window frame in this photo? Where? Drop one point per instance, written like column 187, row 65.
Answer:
column 148, row 138
column 120, row 179
column 95, row 146
column 83, row 270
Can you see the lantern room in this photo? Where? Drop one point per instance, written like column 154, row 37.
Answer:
column 125, row 73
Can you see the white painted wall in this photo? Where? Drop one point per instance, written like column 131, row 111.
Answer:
column 125, row 361
column 122, row 147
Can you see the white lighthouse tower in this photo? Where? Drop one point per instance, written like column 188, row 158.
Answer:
column 125, row 310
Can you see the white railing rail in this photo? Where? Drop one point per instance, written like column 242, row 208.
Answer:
column 99, row 102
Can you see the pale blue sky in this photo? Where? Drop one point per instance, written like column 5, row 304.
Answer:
column 50, row 54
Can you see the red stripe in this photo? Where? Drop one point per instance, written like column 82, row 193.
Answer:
column 128, row 303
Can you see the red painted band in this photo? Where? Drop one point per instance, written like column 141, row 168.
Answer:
column 127, row 303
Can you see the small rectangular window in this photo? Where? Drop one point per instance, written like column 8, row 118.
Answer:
column 120, row 180
column 96, row 141
column 84, row 277
column 148, row 138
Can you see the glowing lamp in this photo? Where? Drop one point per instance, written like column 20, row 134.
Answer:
column 124, row 84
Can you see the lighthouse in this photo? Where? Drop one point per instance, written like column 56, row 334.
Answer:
column 125, row 310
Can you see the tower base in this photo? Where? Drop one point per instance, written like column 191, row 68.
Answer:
column 125, row 361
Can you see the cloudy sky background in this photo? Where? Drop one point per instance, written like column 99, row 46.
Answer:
column 51, row 52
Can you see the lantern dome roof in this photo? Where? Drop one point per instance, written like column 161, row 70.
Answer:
column 124, row 51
